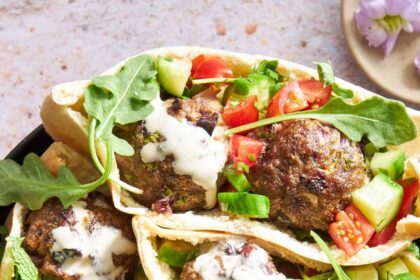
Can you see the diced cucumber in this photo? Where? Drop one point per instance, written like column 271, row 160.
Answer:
column 173, row 74
column 394, row 267
column 379, row 200
column 176, row 253
column 362, row 272
column 389, row 163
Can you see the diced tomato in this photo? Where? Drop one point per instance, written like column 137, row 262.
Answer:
column 245, row 149
column 351, row 231
column 410, row 190
column 196, row 62
column 384, row 236
column 287, row 100
column 316, row 93
column 241, row 114
column 213, row 67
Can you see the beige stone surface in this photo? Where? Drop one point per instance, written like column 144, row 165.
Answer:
column 43, row 43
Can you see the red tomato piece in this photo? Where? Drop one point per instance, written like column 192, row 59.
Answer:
column 351, row 231
column 196, row 62
column 315, row 92
column 410, row 190
column 241, row 114
column 287, row 100
column 213, row 67
column 245, row 149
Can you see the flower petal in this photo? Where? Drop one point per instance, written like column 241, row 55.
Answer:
column 390, row 43
column 398, row 7
column 373, row 8
column 376, row 35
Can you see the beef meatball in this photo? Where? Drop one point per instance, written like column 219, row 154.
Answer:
column 91, row 233
column 234, row 259
column 308, row 171
column 163, row 189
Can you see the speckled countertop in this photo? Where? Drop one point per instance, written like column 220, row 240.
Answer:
column 43, row 43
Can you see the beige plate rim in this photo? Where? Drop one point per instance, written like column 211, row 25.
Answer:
column 400, row 82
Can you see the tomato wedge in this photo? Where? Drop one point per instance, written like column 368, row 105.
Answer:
column 299, row 95
column 287, row 100
column 213, row 67
column 316, row 93
column 241, row 114
column 351, row 231
column 410, row 190
column 245, row 149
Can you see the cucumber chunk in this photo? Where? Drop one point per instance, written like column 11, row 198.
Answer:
column 389, row 163
column 176, row 253
column 362, row 272
column 173, row 74
column 394, row 267
column 379, row 200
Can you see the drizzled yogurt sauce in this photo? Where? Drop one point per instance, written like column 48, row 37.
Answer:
column 195, row 152
column 96, row 247
column 225, row 261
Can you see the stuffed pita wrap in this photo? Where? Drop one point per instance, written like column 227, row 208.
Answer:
column 170, row 253
column 206, row 140
column 88, row 240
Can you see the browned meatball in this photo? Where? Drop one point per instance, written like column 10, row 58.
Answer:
column 162, row 187
column 308, row 172
column 233, row 259
column 39, row 239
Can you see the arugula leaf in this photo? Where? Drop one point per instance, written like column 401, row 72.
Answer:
column 122, row 98
column 326, row 75
column 325, row 72
column 25, row 268
column 342, row 92
column 32, row 184
column 337, row 268
column 382, row 121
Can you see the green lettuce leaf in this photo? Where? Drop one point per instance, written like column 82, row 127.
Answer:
column 382, row 121
column 25, row 268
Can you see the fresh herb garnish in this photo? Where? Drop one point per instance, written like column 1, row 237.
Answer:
column 337, row 268
column 213, row 81
column 326, row 75
column 25, row 269
column 122, row 98
column 382, row 121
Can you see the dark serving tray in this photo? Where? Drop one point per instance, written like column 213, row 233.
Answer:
column 35, row 142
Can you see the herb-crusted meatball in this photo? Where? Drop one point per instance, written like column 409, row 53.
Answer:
column 89, row 240
column 308, row 172
column 233, row 259
column 163, row 189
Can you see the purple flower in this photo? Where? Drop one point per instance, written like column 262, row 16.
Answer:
column 381, row 21
column 417, row 62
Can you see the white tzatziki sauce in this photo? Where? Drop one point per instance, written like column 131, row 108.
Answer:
column 195, row 152
column 225, row 261
column 96, row 247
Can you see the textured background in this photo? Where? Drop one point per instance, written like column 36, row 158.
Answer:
column 43, row 43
